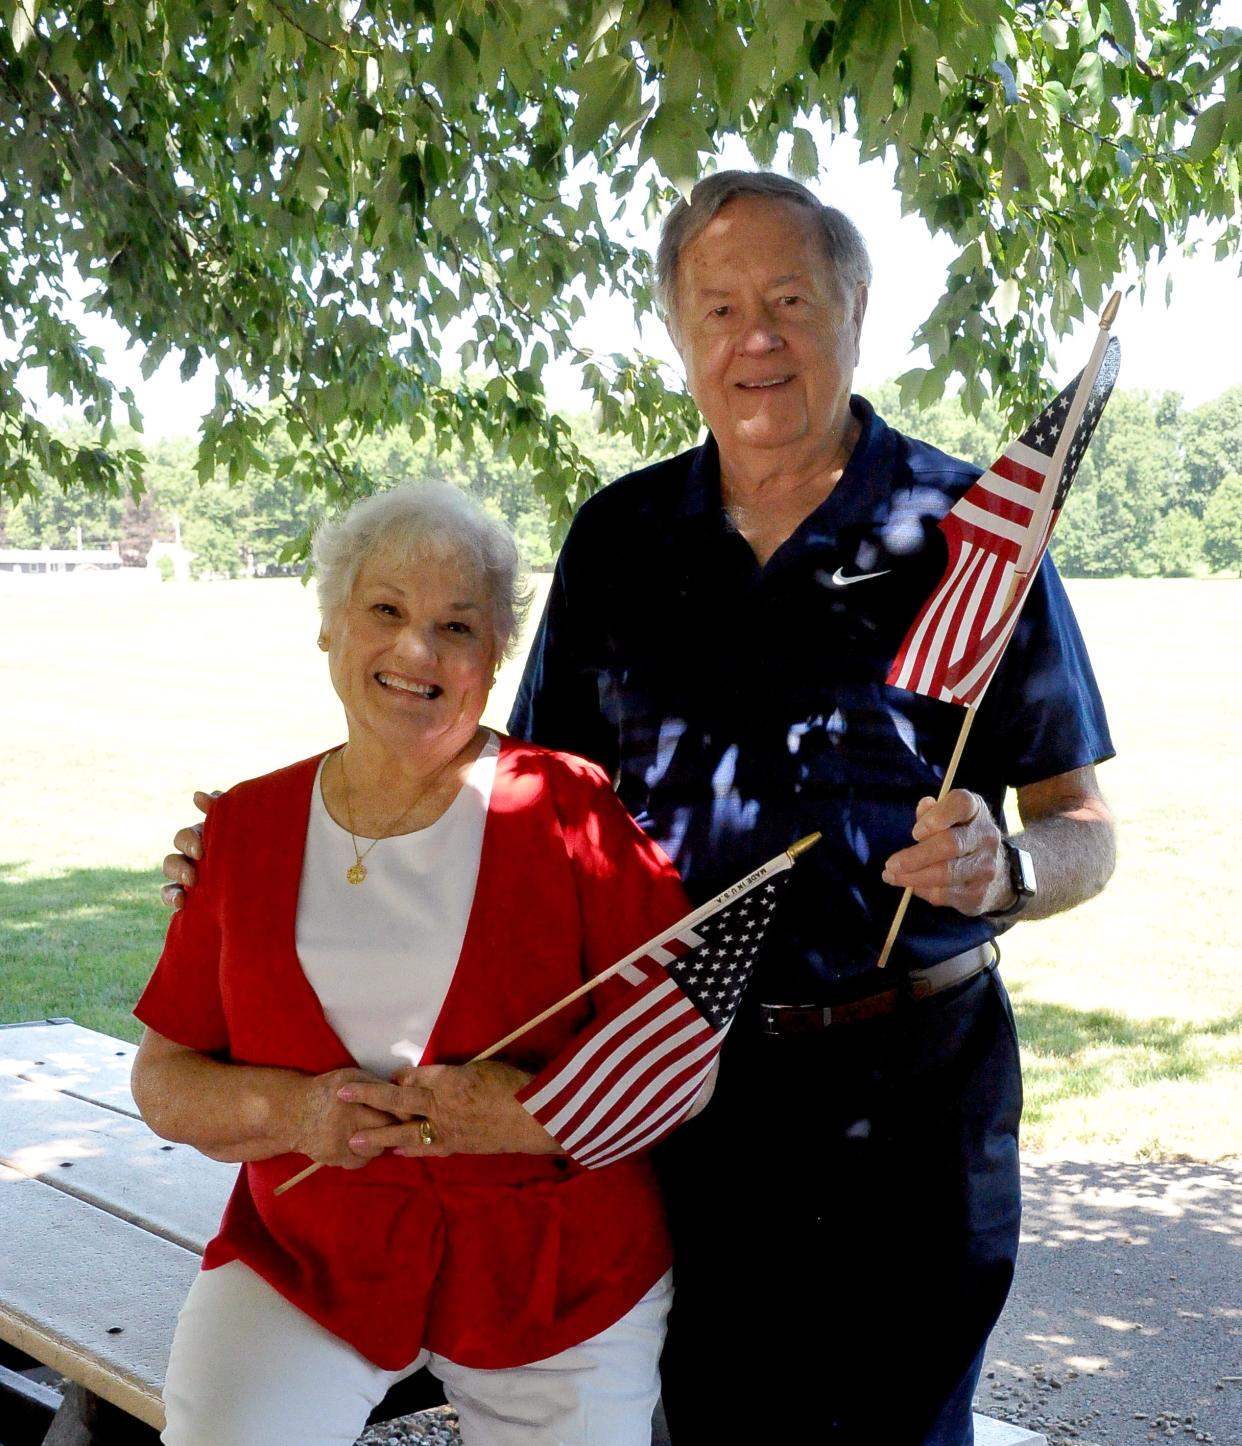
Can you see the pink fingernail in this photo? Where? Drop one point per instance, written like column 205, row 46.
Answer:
column 345, row 1093
column 359, row 1142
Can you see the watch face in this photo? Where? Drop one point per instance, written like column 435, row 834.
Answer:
column 1023, row 872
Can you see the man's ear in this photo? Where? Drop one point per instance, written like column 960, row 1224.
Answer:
column 860, row 310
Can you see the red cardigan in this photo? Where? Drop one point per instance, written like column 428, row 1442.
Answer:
column 490, row 1260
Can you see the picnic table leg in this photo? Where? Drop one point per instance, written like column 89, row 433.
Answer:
column 71, row 1424
column 85, row 1420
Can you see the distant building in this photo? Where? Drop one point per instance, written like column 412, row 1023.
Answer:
column 174, row 555
column 178, row 558
column 59, row 559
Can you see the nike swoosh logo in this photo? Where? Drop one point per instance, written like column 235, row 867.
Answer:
column 841, row 579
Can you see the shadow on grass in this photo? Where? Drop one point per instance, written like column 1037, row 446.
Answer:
column 80, row 944
column 1081, row 1052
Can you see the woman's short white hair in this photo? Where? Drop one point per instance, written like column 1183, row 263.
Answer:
column 844, row 247
column 417, row 521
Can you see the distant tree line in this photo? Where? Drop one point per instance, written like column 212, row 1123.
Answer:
column 1159, row 493
column 260, row 524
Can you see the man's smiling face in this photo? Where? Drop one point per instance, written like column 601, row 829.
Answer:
column 768, row 340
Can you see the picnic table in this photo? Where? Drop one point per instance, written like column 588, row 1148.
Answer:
column 103, row 1225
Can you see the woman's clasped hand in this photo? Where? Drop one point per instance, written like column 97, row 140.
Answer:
column 330, row 1128
column 470, row 1109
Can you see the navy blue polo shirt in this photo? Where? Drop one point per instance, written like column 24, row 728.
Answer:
column 739, row 707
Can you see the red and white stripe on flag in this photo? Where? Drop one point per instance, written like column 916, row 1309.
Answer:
column 996, row 535
column 958, row 638
column 632, row 1075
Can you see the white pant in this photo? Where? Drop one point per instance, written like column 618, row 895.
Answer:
column 250, row 1369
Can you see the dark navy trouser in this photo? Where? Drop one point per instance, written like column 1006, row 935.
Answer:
column 845, row 1218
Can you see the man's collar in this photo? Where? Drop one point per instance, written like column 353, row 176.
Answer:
column 862, row 493
column 700, row 497
column 863, row 487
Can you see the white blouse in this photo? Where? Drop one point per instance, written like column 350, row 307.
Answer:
column 381, row 955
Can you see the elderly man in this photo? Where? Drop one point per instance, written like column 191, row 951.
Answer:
column 717, row 636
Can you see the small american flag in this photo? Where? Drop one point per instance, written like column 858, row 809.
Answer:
column 996, row 535
column 632, row 1075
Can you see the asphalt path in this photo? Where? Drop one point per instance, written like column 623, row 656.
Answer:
column 1125, row 1321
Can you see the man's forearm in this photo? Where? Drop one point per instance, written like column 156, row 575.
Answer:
column 1074, row 852
column 959, row 860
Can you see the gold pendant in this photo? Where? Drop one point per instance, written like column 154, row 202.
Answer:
column 356, row 872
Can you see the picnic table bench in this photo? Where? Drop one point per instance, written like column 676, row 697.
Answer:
column 102, row 1226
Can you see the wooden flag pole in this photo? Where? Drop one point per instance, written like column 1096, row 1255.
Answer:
column 776, row 865
column 949, row 774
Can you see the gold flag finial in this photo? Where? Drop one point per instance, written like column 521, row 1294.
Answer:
column 796, row 850
column 1109, row 314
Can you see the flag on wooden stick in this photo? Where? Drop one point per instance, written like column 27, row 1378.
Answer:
column 633, row 1074
column 997, row 534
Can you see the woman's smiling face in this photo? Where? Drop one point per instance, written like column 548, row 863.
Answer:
column 413, row 652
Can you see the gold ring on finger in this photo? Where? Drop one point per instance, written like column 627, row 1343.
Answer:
column 426, row 1132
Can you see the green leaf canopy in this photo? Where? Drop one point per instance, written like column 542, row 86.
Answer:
column 310, row 194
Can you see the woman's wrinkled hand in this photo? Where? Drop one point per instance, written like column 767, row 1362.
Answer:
column 324, row 1126
column 468, row 1109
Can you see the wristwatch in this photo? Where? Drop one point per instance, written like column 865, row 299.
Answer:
column 1021, row 878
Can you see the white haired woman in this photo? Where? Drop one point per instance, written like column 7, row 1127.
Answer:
column 387, row 911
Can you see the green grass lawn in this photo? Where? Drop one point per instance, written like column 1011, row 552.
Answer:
column 121, row 695
column 1130, row 1008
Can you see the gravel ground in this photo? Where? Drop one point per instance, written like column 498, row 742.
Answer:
column 428, row 1428
column 1125, row 1322
column 438, row 1428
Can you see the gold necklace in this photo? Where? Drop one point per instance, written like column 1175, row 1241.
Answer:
column 357, row 871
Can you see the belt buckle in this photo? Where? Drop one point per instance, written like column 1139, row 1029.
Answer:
column 789, row 1019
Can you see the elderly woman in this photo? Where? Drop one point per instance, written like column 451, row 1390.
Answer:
column 388, row 911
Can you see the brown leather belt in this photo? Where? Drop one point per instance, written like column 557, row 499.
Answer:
column 918, row 984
